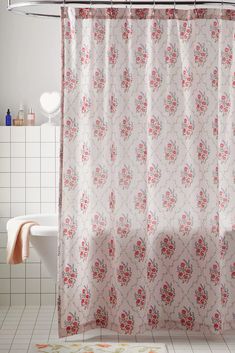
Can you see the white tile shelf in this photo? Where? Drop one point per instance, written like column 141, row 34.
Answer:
column 29, row 159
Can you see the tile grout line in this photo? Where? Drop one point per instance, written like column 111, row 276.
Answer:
column 33, row 329
column 207, row 342
column 5, row 316
column 189, row 342
column 51, row 324
column 16, row 329
column 226, row 343
column 167, row 349
column 171, row 340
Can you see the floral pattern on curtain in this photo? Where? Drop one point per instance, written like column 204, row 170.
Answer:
column 147, row 189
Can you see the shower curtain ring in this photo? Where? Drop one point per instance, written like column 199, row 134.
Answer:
column 90, row 10
column 222, row 5
column 130, row 7
column 154, row 4
column 63, row 6
column 174, row 7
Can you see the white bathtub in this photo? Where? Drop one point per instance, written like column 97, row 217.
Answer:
column 44, row 239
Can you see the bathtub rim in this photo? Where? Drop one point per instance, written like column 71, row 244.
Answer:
column 39, row 230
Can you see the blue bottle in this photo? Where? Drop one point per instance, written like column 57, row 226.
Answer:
column 8, row 118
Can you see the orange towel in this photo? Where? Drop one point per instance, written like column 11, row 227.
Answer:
column 18, row 240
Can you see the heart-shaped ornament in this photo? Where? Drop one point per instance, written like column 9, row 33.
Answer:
column 50, row 102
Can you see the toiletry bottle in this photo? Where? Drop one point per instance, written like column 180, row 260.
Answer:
column 31, row 118
column 8, row 118
column 21, row 114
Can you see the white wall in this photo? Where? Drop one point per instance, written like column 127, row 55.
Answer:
column 29, row 61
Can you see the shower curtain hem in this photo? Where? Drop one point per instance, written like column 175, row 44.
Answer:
column 168, row 325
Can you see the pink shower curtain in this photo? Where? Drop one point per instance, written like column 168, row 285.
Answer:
column 147, row 192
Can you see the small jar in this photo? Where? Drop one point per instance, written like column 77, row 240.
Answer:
column 18, row 122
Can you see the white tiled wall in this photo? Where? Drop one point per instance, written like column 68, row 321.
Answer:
column 29, row 166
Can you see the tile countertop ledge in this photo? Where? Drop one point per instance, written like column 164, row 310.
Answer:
column 29, row 134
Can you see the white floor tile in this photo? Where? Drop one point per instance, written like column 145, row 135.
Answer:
column 24, row 346
column 5, row 346
column 170, row 350
column 94, row 335
column 7, row 339
column 21, row 327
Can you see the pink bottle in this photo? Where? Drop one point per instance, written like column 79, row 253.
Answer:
column 31, row 118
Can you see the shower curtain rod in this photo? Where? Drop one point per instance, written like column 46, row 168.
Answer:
column 21, row 7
